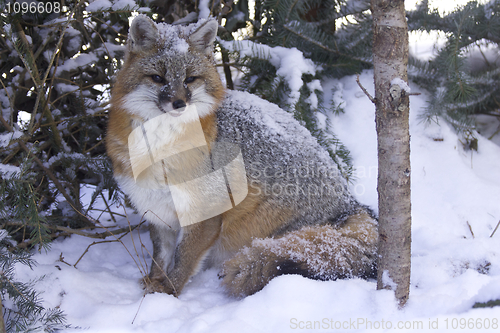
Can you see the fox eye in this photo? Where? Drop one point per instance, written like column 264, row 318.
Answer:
column 190, row 79
column 157, row 79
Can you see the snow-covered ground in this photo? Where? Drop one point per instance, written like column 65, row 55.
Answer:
column 455, row 260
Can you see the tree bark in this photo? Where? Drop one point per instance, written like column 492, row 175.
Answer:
column 390, row 58
column 2, row 322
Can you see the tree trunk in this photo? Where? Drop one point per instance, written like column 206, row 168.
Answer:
column 390, row 59
column 2, row 322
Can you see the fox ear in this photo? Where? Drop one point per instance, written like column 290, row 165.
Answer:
column 143, row 34
column 202, row 40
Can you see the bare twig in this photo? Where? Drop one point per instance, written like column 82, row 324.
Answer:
column 374, row 101
column 104, row 241
column 93, row 147
column 142, row 268
column 227, row 69
column 105, row 211
column 146, row 279
column 71, row 231
column 161, row 269
column 470, row 229
column 108, row 208
column 61, row 259
column 142, row 251
column 125, row 231
column 92, row 244
column 118, row 239
column 137, row 312
column 496, row 132
column 495, row 229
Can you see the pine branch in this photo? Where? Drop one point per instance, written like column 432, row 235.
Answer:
column 49, row 173
column 458, row 89
column 23, row 310
column 71, row 231
column 322, row 46
column 26, row 55
column 350, row 8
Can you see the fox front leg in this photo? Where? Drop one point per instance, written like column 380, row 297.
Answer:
column 197, row 239
column 164, row 240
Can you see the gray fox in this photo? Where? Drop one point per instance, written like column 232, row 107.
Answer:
column 181, row 144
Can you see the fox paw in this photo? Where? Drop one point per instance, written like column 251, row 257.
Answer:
column 157, row 285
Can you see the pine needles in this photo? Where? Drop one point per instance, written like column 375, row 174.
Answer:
column 22, row 307
column 462, row 80
column 56, row 74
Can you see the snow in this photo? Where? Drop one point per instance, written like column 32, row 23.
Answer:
column 488, row 9
column 98, row 5
column 204, row 9
column 3, row 233
column 65, row 88
column 313, row 98
column 122, row 4
column 80, row 61
column 111, row 49
column 403, row 85
column 181, row 46
column 7, row 171
column 172, row 36
column 102, row 5
column 30, row 41
column 290, row 63
column 75, row 39
column 387, row 281
column 453, row 266
column 6, row 138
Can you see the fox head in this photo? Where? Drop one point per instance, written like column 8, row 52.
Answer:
column 167, row 68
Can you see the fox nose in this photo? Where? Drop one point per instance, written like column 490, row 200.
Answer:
column 178, row 104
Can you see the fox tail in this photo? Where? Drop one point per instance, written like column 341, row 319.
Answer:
column 322, row 252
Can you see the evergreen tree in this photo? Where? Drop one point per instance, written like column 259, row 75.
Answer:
column 57, row 68
column 22, row 307
column 57, row 63
column 462, row 79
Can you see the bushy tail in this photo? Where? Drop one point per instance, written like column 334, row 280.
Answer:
column 323, row 252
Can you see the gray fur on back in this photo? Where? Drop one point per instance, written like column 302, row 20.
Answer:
column 282, row 158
